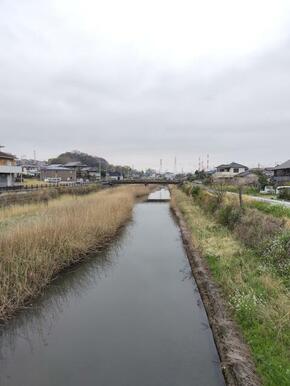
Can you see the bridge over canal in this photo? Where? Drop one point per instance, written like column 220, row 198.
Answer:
column 144, row 181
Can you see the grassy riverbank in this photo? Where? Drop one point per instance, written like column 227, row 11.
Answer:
column 254, row 283
column 39, row 240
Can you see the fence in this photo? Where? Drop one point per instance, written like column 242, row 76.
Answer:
column 40, row 186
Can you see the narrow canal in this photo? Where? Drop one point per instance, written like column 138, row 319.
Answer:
column 130, row 316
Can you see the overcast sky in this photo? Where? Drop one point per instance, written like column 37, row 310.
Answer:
column 135, row 81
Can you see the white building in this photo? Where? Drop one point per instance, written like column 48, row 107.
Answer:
column 229, row 170
column 115, row 176
column 169, row 176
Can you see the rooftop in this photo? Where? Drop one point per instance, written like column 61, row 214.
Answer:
column 232, row 165
column 74, row 164
column 284, row 165
column 6, row 155
column 55, row 167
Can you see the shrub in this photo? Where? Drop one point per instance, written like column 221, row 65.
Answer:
column 256, row 228
column 284, row 194
column 277, row 253
column 195, row 191
column 186, row 188
column 207, row 201
column 229, row 215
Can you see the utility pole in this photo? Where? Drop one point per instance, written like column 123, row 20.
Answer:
column 34, row 156
column 160, row 168
column 100, row 169
column 207, row 162
column 175, row 165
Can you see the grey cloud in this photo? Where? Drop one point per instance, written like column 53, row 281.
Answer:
column 56, row 97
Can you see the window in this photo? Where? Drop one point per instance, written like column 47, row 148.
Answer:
column 236, row 170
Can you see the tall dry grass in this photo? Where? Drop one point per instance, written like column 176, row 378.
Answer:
column 44, row 239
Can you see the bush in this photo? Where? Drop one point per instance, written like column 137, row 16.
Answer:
column 195, row 191
column 284, row 194
column 277, row 253
column 229, row 216
column 255, row 229
column 186, row 188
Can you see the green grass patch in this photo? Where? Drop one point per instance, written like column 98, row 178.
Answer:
column 271, row 209
column 256, row 294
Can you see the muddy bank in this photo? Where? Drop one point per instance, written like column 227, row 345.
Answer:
column 237, row 363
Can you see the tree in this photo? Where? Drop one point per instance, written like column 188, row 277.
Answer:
column 77, row 156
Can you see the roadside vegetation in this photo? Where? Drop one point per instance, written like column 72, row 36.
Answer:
column 248, row 253
column 271, row 209
column 31, row 181
column 39, row 240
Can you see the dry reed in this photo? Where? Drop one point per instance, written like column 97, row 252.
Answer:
column 44, row 239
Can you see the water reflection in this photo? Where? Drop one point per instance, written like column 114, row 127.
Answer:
column 160, row 194
column 38, row 318
column 131, row 315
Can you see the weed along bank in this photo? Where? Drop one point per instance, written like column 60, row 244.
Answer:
column 241, row 259
column 129, row 314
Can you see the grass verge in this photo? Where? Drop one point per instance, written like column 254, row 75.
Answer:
column 256, row 296
column 38, row 241
column 275, row 210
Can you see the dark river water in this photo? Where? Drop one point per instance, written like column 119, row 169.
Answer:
column 129, row 316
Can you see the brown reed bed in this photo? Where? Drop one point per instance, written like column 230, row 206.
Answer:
column 38, row 241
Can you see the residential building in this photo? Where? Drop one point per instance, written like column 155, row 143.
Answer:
column 115, row 176
column 169, row 176
column 282, row 173
column 8, row 169
column 229, row 170
column 91, row 173
column 78, row 167
column 58, row 171
column 30, row 170
column 247, row 178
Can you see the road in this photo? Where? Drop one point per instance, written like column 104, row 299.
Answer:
column 267, row 200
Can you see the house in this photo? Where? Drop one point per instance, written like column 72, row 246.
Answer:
column 91, row 173
column 169, row 176
column 58, row 171
column 282, row 173
column 115, row 176
column 30, row 170
column 78, row 167
column 75, row 165
column 247, row 178
column 8, row 169
column 229, row 170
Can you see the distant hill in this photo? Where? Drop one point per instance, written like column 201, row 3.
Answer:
column 74, row 156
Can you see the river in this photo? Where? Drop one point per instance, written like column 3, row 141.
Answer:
column 128, row 316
